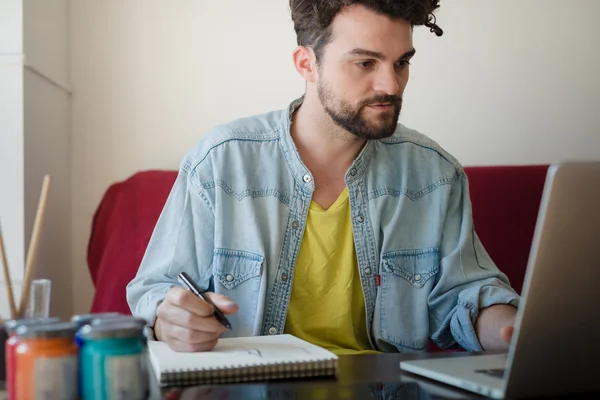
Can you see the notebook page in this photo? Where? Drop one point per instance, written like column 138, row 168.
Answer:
column 234, row 352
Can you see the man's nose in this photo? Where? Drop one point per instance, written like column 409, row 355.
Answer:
column 388, row 82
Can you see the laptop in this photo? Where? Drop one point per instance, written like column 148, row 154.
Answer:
column 555, row 348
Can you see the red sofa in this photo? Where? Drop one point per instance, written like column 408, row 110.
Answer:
column 505, row 206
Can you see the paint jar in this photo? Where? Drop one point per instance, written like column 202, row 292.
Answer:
column 84, row 319
column 46, row 361
column 3, row 340
column 10, row 348
column 114, row 361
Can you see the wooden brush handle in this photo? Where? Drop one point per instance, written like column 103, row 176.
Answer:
column 33, row 244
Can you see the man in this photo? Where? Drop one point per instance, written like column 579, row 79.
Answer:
column 328, row 220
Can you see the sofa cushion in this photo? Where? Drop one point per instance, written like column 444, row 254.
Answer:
column 505, row 202
column 121, row 229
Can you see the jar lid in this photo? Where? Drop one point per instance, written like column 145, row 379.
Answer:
column 117, row 318
column 12, row 325
column 113, row 330
column 51, row 330
column 83, row 319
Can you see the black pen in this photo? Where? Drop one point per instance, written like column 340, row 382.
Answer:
column 189, row 283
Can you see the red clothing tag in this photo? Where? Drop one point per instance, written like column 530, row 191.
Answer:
column 378, row 280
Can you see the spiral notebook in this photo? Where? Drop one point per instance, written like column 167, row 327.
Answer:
column 242, row 359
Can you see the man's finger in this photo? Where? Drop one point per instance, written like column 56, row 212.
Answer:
column 192, row 336
column 177, row 316
column 224, row 303
column 187, row 300
column 180, row 346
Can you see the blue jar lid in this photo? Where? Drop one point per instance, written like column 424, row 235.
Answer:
column 83, row 319
column 114, row 330
column 117, row 318
column 12, row 325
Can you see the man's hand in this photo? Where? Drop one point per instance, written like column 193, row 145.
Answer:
column 186, row 322
column 506, row 333
column 495, row 326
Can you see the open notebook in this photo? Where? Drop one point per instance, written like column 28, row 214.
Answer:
column 242, row 359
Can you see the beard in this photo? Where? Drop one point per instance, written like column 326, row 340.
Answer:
column 350, row 117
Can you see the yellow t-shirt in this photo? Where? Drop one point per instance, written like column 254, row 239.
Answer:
column 327, row 304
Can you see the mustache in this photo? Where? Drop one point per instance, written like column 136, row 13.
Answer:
column 395, row 100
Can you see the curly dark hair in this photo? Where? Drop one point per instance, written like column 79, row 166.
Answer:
column 313, row 18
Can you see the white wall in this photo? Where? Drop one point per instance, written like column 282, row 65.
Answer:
column 11, row 136
column 510, row 82
column 11, row 158
column 11, row 27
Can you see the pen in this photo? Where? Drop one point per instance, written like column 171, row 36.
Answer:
column 190, row 285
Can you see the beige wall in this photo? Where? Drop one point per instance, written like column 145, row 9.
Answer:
column 47, row 141
column 510, row 82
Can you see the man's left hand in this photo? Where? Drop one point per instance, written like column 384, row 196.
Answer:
column 506, row 333
column 495, row 326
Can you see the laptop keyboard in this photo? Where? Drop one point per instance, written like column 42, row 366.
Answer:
column 493, row 372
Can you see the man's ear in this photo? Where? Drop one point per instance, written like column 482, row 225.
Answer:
column 305, row 62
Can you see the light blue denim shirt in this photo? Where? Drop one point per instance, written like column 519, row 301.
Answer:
column 235, row 218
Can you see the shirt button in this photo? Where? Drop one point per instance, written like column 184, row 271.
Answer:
column 284, row 277
column 295, row 225
column 417, row 277
column 229, row 278
column 353, row 172
column 367, row 270
column 307, row 178
column 360, row 219
column 272, row 330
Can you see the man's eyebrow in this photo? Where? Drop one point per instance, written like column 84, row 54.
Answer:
column 377, row 55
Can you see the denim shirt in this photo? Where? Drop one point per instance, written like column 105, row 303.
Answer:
column 235, row 218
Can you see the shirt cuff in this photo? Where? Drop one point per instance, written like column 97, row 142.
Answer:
column 147, row 306
column 470, row 305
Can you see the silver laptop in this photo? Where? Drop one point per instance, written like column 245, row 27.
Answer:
column 555, row 348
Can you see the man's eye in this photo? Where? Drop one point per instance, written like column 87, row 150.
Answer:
column 365, row 64
column 403, row 63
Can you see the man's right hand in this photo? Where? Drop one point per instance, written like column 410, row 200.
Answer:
column 186, row 322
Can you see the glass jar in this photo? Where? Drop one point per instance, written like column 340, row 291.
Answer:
column 113, row 361
column 46, row 361
column 10, row 348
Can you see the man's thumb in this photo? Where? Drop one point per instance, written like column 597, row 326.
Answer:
column 506, row 333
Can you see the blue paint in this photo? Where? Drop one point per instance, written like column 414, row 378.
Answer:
column 113, row 361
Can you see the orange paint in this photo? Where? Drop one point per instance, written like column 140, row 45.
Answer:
column 47, row 364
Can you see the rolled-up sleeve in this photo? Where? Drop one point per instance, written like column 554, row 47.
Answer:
column 182, row 240
column 468, row 281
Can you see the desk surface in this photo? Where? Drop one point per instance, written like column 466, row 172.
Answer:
column 359, row 377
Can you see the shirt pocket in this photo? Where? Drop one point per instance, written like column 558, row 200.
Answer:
column 237, row 275
column 407, row 278
column 236, row 270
